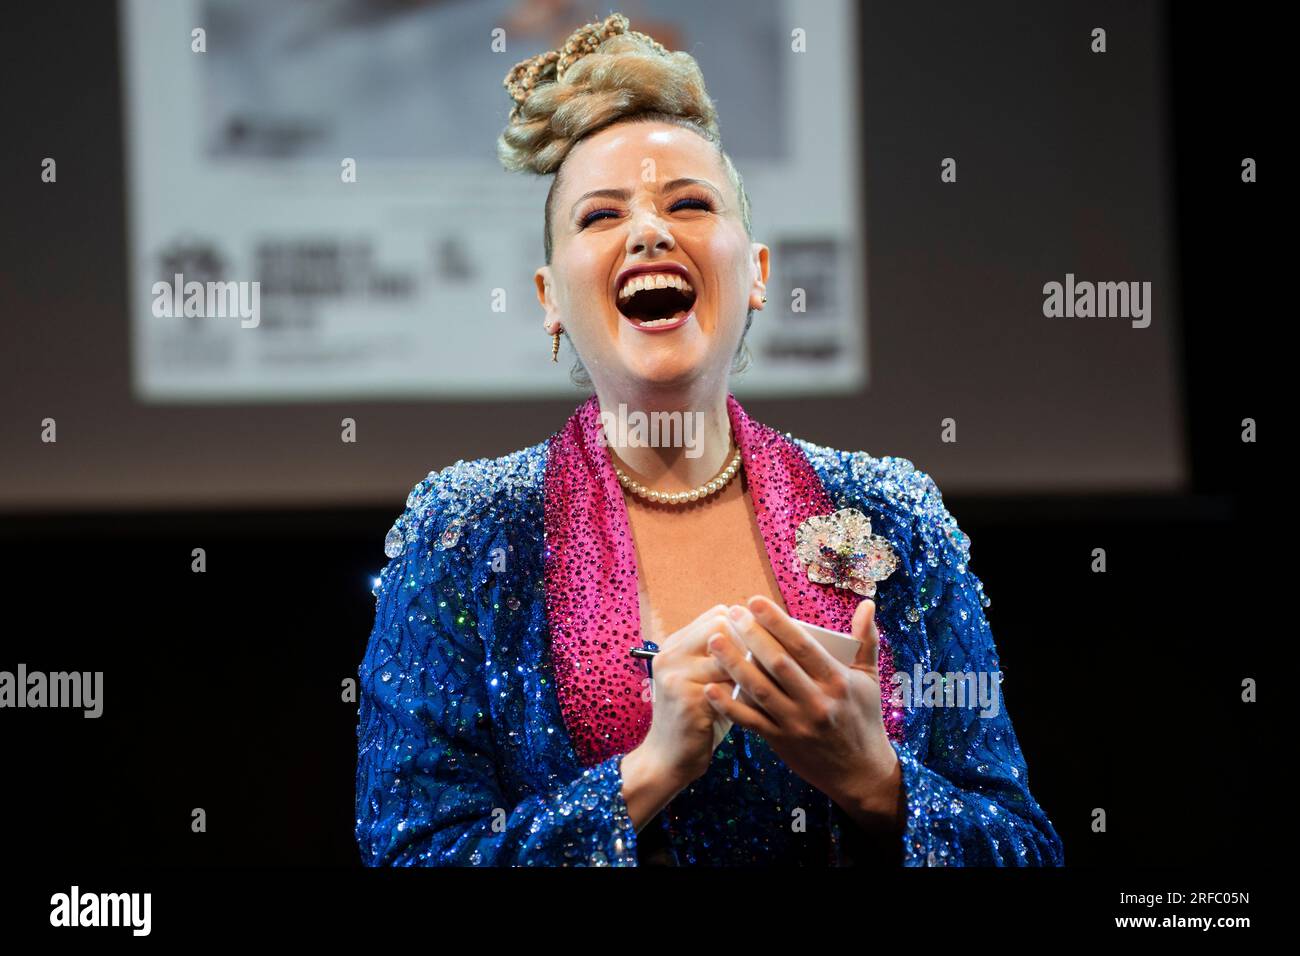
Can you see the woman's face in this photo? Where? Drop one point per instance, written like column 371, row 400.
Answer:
column 666, row 202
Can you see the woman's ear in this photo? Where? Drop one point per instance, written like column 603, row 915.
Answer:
column 546, row 296
column 759, row 260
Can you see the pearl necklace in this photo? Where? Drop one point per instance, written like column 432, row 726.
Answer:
column 721, row 481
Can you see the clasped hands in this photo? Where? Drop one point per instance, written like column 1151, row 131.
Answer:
column 821, row 718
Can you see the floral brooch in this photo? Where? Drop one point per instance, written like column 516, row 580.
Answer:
column 840, row 549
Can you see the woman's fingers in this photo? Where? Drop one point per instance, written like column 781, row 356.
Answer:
column 739, row 712
column 865, row 630
column 814, row 659
column 705, row 669
column 788, row 675
column 751, row 678
column 691, row 639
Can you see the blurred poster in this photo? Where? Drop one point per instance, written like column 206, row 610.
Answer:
column 246, row 118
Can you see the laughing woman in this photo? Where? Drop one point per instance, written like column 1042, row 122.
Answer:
column 505, row 718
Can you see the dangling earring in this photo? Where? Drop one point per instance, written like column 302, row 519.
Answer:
column 765, row 300
column 555, row 349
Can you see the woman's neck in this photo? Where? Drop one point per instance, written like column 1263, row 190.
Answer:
column 668, row 442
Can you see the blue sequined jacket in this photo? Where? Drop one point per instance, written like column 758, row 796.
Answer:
column 466, row 756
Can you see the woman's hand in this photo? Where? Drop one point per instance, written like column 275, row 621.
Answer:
column 822, row 718
column 685, row 729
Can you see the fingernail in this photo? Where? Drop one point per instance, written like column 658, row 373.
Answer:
column 737, row 612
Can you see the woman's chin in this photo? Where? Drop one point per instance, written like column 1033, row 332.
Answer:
column 662, row 367
column 677, row 357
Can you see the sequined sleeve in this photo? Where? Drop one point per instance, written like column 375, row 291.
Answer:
column 964, row 777
column 428, row 790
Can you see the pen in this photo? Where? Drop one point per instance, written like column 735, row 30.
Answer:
column 648, row 654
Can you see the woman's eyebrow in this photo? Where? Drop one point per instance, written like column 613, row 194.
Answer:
column 624, row 193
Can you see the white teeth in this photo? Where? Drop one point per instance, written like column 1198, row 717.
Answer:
column 657, row 280
column 666, row 320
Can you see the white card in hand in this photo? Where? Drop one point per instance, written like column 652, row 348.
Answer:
column 840, row 646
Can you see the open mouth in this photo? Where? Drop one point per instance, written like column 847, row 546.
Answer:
column 651, row 305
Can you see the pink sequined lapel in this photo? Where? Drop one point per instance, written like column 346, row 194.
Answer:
column 592, row 605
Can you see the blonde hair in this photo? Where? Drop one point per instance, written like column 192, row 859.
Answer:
column 606, row 73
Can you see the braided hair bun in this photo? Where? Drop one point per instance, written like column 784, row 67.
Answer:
column 603, row 72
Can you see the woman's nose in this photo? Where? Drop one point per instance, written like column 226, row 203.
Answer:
column 648, row 231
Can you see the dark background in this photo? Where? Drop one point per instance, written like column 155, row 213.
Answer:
column 222, row 689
